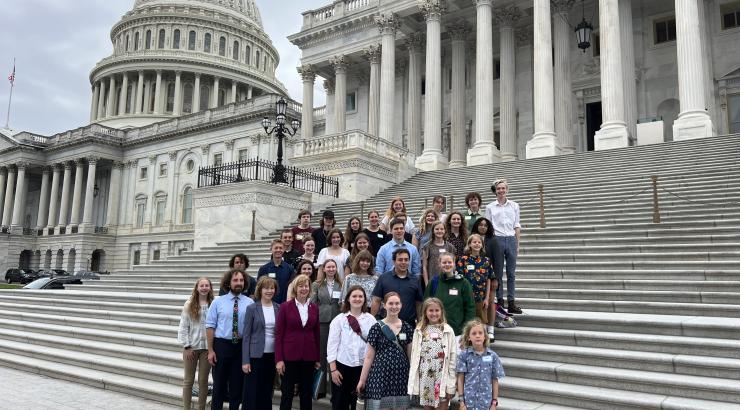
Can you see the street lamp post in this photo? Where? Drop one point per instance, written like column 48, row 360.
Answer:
column 280, row 130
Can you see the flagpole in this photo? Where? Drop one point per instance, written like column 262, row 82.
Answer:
column 10, row 99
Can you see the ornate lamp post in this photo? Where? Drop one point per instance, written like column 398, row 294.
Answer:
column 583, row 31
column 280, row 130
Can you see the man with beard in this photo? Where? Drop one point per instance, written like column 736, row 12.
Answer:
column 225, row 330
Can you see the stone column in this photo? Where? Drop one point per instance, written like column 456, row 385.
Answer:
column 150, row 191
column 459, row 34
column 109, row 112
column 308, row 75
column 388, row 24
column 613, row 132
column 544, row 142
column 125, row 202
column 9, row 190
column 20, row 192
column 3, row 178
column 372, row 54
column 329, row 91
column 101, row 101
column 94, row 105
column 484, row 150
column 694, row 120
column 506, row 18
column 214, row 96
column 233, row 91
column 64, row 204
column 43, row 199
column 87, row 215
column 139, row 92
column 432, row 157
column 77, row 195
column 172, row 192
column 54, row 198
column 196, row 94
column 249, row 92
column 147, row 96
column 114, row 194
column 158, row 94
column 340, row 93
column 131, row 193
column 415, row 43
column 563, row 85
column 627, row 42
column 124, row 95
column 177, row 106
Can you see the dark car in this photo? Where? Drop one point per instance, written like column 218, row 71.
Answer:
column 84, row 274
column 20, row 275
column 53, row 283
column 52, row 273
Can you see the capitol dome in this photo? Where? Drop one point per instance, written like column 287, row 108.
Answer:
column 176, row 57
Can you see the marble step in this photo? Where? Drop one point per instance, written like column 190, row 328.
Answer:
column 637, row 307
column 685, row 296
column 629, row 284
column 62, row 304
column 80, row 312
column 574, row 273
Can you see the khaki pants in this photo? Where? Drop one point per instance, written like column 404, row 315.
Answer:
column 481, row 312
column 204, row 369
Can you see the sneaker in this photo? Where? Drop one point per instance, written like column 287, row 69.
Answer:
column 514, row 309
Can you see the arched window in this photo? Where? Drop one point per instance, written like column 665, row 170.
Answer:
column 205, row 97
column 187, row 206
column 176, row 39
column 127, row 43
column 187, row 98
column 222, row 46
column 191, row 40
column 160, row 41
column 136, row 41
column 257, row 59
column 207, row 43
column 247, row 55
column 235, row 51
column 170, row 97
column 148, row 40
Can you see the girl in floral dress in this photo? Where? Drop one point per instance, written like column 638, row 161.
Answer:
column 433, row 357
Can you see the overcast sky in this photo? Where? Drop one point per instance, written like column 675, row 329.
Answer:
column 57, row 43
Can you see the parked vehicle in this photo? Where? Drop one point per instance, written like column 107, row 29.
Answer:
column 84, row 274
column 53, row 283
column 20, row 275
column 52, row 273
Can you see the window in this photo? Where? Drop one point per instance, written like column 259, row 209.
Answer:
column 160, row 41
column 148, row 40
column 235, row 51
column 136, row 41
column 163, row 169
column 496, row 69
column 218, row 159
column 243, row 154
column 205, row 96
column 191, row 40
column 207, row 43
column 137, row 257
column 170, row 97
column 221, row 97
column 257, row 59
column 351, row 102
column 187, row 99
column 140, row 211
column 127, row 43
column 222, row 46
column 155, row 255
column 665, row 30
column 734, row 112
column 187, row 206
column 142, row 173
column 730, row 15
column 160, row 207
column 190, row 165
column 247, row 53
column 176, row 39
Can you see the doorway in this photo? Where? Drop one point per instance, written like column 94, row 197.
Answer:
column 593, row 123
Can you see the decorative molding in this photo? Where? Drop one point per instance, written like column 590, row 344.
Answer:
column 307, row 73
column 561, row 6
column 507, row 16
column 172, row 155
column 388, row 23
column 524, row 36
column 432, row 9
column 340, row 63
column 459, row 31
column 205, row 149
column 93, row 160
column 329, row 86
column 152, row 159
column 118, row 165
column 372, row 53
column 415, row 42
column 249, row 198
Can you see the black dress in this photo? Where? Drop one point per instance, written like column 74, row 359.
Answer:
column 389, row 373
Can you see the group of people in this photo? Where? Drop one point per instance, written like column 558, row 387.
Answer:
column 394, row 312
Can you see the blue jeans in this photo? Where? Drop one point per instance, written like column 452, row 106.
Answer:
column 508, row 246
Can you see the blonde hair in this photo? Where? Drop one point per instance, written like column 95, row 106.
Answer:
column 193, row 304
column 472, row 236
column 299, row 280
column 465, row 337
column 423, row 226
column 424, row 322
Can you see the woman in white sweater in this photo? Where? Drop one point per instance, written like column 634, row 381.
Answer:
column 192, row 337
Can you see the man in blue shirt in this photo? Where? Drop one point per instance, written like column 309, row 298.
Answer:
column 398, row 280
column 279, row 270
column 384, row 261
column 225, row 330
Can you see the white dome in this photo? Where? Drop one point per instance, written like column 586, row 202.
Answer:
column 240, row 8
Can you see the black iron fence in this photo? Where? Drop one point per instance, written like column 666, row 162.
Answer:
column 267, row 171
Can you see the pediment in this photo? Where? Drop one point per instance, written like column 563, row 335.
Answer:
column 735, row 73
column 6, row 140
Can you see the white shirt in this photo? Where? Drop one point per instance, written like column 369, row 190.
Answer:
column 505, row 218
column 409, row 227
column 340, row 259
column 343, row 344
column 303, row 310
column 269, row 313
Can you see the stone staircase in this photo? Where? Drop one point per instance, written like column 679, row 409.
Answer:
column 620, row 312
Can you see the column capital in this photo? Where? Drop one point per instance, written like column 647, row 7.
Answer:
column 507, row 16
column 488, row 3
column 205, row 149
column 459, row 31
column 432, row 9
column 22, row 165
column 524, row 35
column 307, row 72
column 197, row 75
column 3, row 170
column 561, row 6
column 388, row 23
column 152, row 159
column 118, row 165
column 46, row 169
column 340, row 63
column 158, row 71
column 415, row 42
column 329, row 86
column 133, row 163
column 56, row 167
column 79, row 161
column 372, row 53
column 93, row 160
column 228, row 143
column 173, row 155
column 140, row 72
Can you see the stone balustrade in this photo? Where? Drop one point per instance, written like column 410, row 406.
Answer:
column 336, row 10
column 354, row 139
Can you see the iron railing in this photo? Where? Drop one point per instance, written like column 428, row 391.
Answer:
column 262, row 170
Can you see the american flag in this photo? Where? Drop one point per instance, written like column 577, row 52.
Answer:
column 11, row 77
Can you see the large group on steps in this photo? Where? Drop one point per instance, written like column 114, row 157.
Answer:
column 396, row 314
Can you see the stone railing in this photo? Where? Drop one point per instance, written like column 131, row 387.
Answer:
column 319, row 113
column 336, row 10
column 92, row 130
column 349, row 140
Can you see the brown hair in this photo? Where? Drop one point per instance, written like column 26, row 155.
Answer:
column 345, row 305
column 463, row 226
column 264, row 282
column 363, row 255
column 390, row 213
column 226, row 279
column 472, row 195
column 193, row 305
column 349, row 235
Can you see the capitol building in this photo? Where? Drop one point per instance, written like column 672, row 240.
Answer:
column 411, row 86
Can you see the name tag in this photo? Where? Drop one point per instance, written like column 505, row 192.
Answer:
column 468, row 216
column 442, row 250
column 471, row 267
column 299, row 236
column 381, row 236
column 271, row 275
column 487, row 359
column 336, row 294
column 402, row 336
column 453, row 292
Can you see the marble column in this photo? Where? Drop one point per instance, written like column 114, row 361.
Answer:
column 54, row 198
column 124, row 194
column 139, row 92
column 87, row 212
column 124, row 96
column 130, row 208
column 340, row 93
column 506, row 18
column 158, row 94
column 74, row 220
column 196, row 94
column 415, row 43
column 563, row 38
column 459, row 34
column 9, row 191
column 94, row 105
column 613, row 132
column 114, row 194
column 171, row 191
column 177, row 106
column 627, row 42
column 3, row 178
column 101, row 100
column 431, row 157
column 693, row 121
column 147, row 96
column 249, row 92
column 150, row 205
column 109, row 110
column 484, row 150
column 388, row 24
column 330, row 109
column 308, row 75
column 214, row 96
column 20, row 192
column 372, row 54
column 43, row 199
column 233, row 91
column 544, row 142
column 63, row 219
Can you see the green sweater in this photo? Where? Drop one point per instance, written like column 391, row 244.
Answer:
column 456, row 295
